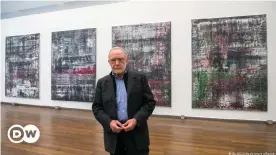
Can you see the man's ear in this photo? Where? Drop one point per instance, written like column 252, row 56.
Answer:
column 126, row 60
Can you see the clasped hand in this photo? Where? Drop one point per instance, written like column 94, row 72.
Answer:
column 117, row 126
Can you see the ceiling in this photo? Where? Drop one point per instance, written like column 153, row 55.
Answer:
column 11, row 9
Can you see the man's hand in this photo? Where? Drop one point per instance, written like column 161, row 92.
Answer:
column 116, row 126
column 129, row 125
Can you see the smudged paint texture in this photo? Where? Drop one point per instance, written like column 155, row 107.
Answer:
column 229, row 63
column 22, row 66
column 149, row 50
column 74, row 65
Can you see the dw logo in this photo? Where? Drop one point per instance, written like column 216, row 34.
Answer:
column 18, row 134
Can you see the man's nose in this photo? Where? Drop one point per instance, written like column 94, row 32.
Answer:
column 116, row 62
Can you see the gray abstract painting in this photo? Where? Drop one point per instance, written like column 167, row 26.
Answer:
column 229, row 59
column 22, row 66
column 149, row 50
column 74, row 65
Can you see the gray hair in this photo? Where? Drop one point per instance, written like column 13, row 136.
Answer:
column 116, row 48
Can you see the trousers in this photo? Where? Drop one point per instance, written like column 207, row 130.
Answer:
column 126, row 145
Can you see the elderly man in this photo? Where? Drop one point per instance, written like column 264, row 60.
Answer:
column 122, row 105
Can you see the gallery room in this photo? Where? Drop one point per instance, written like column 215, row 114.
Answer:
column 138, row 77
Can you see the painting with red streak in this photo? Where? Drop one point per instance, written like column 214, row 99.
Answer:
column 229, row 63
column 74, row 65
column 149, row 50
column 22, row 66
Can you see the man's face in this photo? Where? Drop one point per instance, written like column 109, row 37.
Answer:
column 117, row 61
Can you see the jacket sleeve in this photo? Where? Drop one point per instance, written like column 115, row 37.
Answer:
column 148, row 102
column 98, row 109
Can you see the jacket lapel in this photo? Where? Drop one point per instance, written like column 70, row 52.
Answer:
column 130, row 82
column 110, row 88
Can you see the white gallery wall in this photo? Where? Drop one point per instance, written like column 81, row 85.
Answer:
column 104, row 17
column 2, row 87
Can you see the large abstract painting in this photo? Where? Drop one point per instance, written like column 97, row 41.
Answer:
column 22, row 66
column 74, row 65
column 149, row 51
column 229, row 63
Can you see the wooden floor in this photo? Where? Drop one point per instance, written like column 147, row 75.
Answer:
column 70, row 132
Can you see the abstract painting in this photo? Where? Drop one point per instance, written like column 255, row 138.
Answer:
column 149, row 51
column 229, row 63
column 22, row 66
column 74, row 65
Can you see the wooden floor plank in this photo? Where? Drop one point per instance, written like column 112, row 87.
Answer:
column 74, row 132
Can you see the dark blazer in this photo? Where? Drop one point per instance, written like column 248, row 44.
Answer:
column 140, row 106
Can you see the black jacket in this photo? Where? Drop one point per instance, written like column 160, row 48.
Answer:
column 140, row 106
